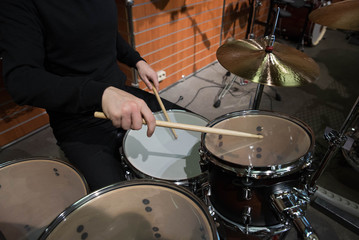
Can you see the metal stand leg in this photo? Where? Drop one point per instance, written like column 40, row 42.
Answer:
column 224, row 91
column 258, row 96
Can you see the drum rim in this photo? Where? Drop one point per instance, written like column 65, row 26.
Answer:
column 184, row 181
column 315, row 42
column 136, row 182
column 21, row 160
column 266, row 171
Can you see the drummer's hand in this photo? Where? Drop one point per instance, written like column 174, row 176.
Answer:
column 126, row 111
column 147, row 74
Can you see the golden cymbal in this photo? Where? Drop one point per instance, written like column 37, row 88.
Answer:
column 280, row 66
column 342, row 15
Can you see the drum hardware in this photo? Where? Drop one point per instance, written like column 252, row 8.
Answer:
column 268, row 49
column 254, row 6
column 336, row 140
column 342, row 15
column 247, row 193
column 290, row 205
column 244, row 193
column 246, row 216
column 352, row 154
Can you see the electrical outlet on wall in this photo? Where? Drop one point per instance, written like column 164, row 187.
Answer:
column 161, row 75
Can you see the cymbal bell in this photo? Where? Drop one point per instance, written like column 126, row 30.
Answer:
column 280, row 66
column 342, row 15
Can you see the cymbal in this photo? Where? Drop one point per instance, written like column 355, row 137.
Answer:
column 342, row 15
column 282, row 66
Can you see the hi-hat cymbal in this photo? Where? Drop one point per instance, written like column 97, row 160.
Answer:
column 281, row 66
column 342, row 15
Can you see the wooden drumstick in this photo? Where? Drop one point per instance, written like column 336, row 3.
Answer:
column 163, row 109
column 194, row 128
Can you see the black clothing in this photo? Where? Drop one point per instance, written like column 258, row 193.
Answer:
column 61, row 55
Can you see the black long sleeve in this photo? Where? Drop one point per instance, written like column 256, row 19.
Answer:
column 62, row 55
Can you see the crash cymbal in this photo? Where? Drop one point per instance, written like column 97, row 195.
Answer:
column 280, row 65
column 342, row 15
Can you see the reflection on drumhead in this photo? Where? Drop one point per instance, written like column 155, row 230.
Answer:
column 142, row 211
column 162, row 156
column 284, row 141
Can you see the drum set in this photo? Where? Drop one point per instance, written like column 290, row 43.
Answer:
column 195, row 186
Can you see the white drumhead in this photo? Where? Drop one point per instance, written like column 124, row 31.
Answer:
column 162, row 156
column 318, row 32
column 284, row 141
column 33, row 192
column 140, row 211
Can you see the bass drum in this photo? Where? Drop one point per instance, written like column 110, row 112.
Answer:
column 292, row 27
column 163, row 157
column 33, row 192
column 138, row 210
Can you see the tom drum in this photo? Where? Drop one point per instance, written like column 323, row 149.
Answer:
column 137, row 209
column 244, row 172
column 33, row 192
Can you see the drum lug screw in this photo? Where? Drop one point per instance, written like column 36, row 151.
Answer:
column 246, row 215
column 247, row 194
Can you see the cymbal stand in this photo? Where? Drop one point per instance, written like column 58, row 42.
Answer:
column 300, row 44
column 336, row 209
column 269, row 48
column 336, row 140
column 228, row 86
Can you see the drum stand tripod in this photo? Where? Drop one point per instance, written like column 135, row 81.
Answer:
column 255, row 4
column 260, row 87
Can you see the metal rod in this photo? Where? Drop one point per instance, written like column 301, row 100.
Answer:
column 258, row 96
column 334, row 147
column 272, row 37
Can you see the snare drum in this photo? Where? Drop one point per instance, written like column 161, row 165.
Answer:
column 162, row 156
column 137, row 209
column 33, row 192
column 244, row 172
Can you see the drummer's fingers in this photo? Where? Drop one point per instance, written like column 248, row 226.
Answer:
column 136, row 120
column 150, row 120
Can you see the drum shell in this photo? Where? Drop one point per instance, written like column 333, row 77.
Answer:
column 228, row 195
